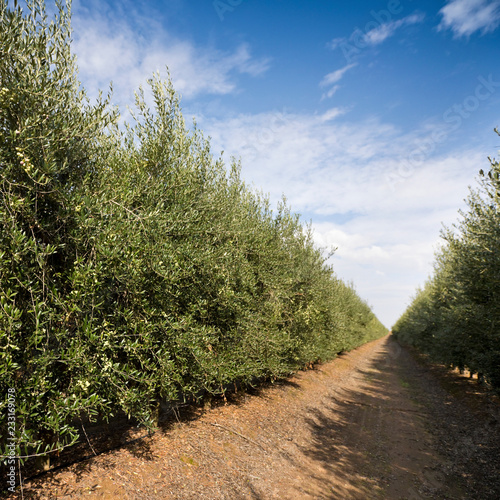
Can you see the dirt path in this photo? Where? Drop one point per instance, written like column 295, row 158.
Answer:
column 373, row 424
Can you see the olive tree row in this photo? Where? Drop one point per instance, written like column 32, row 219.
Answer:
column 135, row 266
column 456, row 317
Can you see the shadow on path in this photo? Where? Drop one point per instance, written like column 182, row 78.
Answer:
column 370, row 439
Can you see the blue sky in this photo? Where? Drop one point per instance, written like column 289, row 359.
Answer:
column 372, row 117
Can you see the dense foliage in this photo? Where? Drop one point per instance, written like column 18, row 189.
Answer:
column 456, row 317
column 134, row 267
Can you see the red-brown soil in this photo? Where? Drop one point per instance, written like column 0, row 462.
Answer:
column 376, row 423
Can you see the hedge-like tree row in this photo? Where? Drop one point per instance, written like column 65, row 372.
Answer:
column 456, row 316
column 135, row 267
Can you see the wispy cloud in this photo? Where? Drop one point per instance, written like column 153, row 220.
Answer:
column 109, row 49
column 333, row 78
column 385, row 31
column 331, row 92
column 333, row 113
column 353, row 45
column 465, row 17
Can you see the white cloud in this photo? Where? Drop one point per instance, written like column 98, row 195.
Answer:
column 360, row 39
column 338, row 174
column 333, row 78
column 465, row 17
column 336, row 76
column 333, row 113
column 331, row 92
column 384, row 31
column 109, row 49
